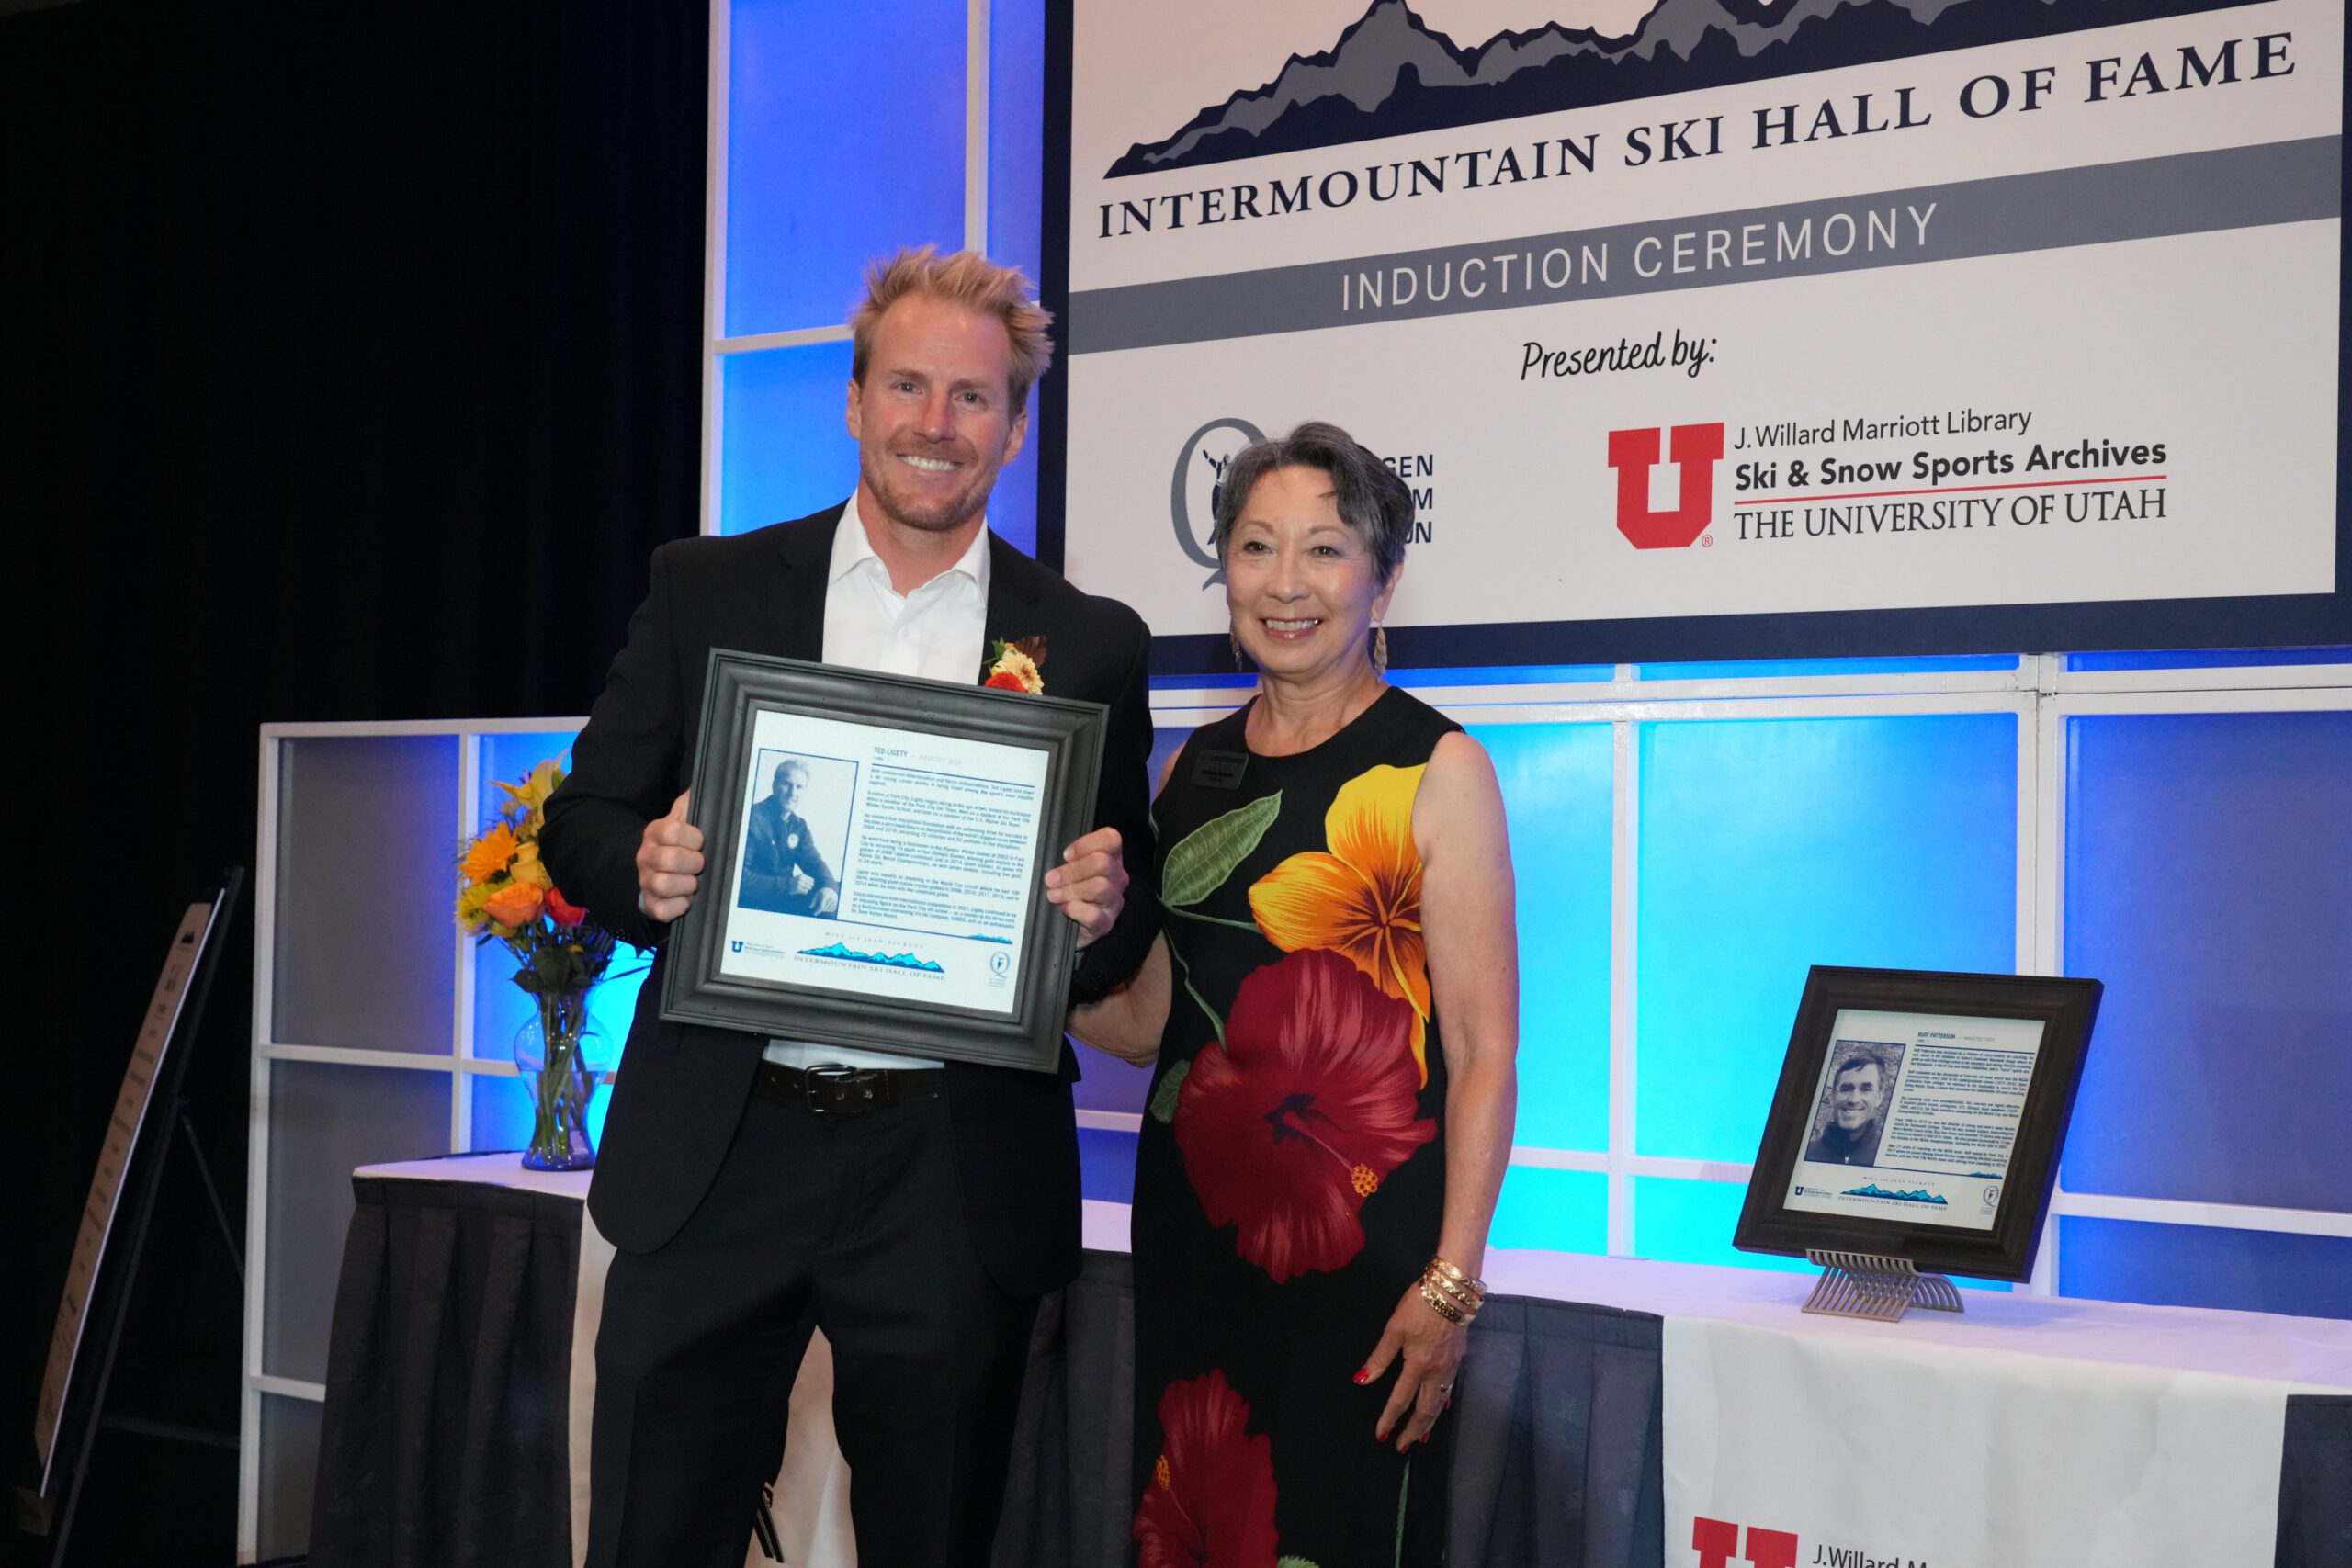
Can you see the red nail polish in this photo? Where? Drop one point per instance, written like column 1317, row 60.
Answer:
column 1364, row 1377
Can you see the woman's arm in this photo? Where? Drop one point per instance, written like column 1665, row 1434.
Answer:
column 1469, row 920
column 1128, row 1021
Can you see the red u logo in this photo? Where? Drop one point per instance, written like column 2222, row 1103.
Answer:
column 1633, row 453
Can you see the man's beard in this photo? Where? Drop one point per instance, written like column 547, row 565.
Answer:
column 945, row 518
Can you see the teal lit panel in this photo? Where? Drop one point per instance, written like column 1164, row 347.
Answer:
column 503, row 1109
column 844, row 141
column 1772, row 845
column 1691, row 1222
column 785, row 444
column 1558, row 783
column 1556, row 1210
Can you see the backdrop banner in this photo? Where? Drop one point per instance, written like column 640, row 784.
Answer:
column 1716, row 328
column 1788, row 1451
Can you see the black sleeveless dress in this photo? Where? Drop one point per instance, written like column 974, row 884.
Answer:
column 1290, row 1179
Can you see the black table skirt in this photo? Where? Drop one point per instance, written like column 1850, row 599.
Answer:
column 444, row 1442
column 1555, row 1443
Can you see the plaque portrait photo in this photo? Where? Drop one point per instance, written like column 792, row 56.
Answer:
column 1920, row 1115
column 794, row 832
column 881, row 842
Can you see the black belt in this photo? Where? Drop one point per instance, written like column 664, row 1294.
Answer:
column 830, row 1088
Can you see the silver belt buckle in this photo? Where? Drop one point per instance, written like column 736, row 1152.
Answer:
column 835, row 1088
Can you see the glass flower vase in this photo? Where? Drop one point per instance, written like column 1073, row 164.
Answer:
column 553, row 1053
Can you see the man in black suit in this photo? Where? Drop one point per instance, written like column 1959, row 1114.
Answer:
column 748, row 1189
column 784, row 873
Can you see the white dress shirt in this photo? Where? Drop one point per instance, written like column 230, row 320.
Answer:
column 935, row 632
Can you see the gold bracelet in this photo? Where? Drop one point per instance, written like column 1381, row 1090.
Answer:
column 1458, row 1275
column 1468, row 1299
column 1439, row 1306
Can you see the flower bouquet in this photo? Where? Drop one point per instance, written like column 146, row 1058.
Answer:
column 506, row 895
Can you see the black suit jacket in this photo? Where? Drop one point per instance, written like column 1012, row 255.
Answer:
column 681, row 1088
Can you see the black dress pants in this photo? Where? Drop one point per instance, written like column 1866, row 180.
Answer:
column 854, row 1223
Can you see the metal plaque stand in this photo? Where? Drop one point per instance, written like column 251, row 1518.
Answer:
column 1864, row 1284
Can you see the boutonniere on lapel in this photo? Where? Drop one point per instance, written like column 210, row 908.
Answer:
column 1012, row 666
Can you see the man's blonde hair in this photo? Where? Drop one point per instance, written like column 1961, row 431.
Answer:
column 967, row 278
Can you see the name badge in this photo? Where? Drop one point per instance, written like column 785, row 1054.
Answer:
column 1220, row 769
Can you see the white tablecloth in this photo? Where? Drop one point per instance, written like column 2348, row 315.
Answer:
column 2003, row 1339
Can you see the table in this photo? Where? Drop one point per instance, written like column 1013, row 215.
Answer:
column 459, row 1379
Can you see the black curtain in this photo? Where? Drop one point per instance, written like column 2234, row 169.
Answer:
column 350, row 363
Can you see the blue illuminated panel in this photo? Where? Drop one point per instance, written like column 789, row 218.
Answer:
column 1017, row 202
column 785, row 449
column 1557, row 1210
column 844, row 141
column 1109, row 1084
column 1017, row 134
column 2208, row 883
column 1759, row 668
column 1106, row 1164
column 2210, row 659
column 1558, row 786
column 1769, row 846
column 2121, row 1261
column 501, row 1007
column 1505, row 675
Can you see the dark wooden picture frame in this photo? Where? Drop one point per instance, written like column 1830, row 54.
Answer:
column 741, row 686
column 2067, row 1008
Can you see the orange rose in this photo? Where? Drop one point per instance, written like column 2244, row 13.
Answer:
column 563, row 911
column 1006, row 680
column 517, row 903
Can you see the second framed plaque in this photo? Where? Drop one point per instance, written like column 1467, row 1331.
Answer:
column 874, row 855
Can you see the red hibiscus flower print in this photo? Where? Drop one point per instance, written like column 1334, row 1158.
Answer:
column 1309, row 1106
column 1210, row 1501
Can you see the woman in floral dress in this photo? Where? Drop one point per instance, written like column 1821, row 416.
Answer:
column 1333, row 1012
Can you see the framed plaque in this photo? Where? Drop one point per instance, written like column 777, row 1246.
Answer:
column 873, row 857
column 1920, row 1115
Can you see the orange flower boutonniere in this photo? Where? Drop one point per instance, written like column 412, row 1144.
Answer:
column 1013, row 666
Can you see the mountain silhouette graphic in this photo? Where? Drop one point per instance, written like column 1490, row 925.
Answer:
column 887, row 961
column 1917, row 1195
column 1390, row 75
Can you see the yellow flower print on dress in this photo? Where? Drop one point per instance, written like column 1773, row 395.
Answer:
column 1362, row 899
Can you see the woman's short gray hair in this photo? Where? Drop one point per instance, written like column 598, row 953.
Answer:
column 1373, row 501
